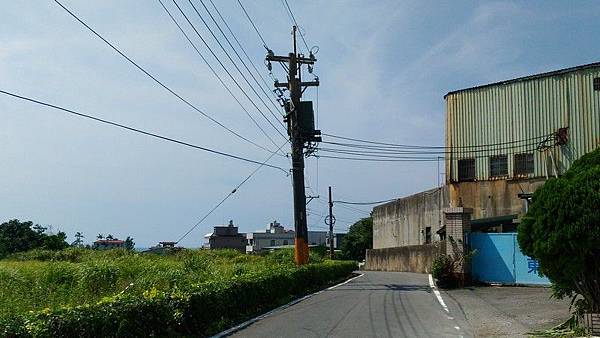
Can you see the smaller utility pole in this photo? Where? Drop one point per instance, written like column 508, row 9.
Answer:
column 330, row 225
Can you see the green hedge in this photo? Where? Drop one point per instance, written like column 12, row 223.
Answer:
column 205, row 309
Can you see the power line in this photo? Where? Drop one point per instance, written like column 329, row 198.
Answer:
column 354, row 209
column 286, row 4
column 375, row 151
column 399, row 158
column 225, row 68
column 236, row 67
column 253, row 25
column 264, row 163
column 156, row 79
column 376, row 159
column 214, row 72
column 239, row 44
column 365, row 203
column 237, row 54
column 396, row 150
column 395, row 145
column 140, row 131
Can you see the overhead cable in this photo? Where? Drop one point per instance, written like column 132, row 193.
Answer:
column 269, row 98
column 155, row 79
column 227, row 70
column 395, row 145
column 286, row 4
column 139, row 131
column 253, row 25
column 240, row 44
column 365, row 203
column 235, row 64
column 375, row 151
column 264, row 163
column 215, row 73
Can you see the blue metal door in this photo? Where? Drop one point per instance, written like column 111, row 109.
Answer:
column 500, row 260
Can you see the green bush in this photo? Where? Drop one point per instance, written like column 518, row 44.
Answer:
column 562, row 231
column 443, row 271
column 201, row 310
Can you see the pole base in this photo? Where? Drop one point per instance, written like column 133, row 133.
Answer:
column 301, row 251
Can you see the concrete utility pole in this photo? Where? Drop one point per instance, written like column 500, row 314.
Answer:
column 300, row 121
column 331, row 222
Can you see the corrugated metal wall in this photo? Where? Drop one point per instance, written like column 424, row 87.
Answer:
column 513, row 117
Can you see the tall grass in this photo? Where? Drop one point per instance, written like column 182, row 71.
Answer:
column 39, row 279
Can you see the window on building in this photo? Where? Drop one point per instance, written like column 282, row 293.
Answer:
column 523, row 164
column 466, row 169
column 597, row 83
column 272, row 242
column 498, row 166
column 285, row 242
column 427, row 235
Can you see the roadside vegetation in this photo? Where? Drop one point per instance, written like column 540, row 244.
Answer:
column 358, row 239
column 83, row 292
column 562, row 231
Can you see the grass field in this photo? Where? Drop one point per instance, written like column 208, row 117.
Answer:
column 44, row 282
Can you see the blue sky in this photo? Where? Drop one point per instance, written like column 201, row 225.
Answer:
column 384, row 68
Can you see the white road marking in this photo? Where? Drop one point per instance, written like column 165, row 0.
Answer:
column 437, row 293
column 283, row 307
column 348, row 281
column 456, row 327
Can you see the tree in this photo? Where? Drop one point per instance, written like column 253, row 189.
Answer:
column 129, row 243
column 78, row 242
column 562, row 231
column 358, row 240
column 17, row 236
column 110, row 237
column 55, row 242
column 100, row 236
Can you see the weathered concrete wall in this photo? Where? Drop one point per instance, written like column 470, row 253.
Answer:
column 493, row 198
column 414, row 258
column 403, row 221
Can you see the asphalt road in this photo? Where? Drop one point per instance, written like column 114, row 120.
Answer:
column 377, row 304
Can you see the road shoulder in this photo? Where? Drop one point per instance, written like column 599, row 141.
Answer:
column 509, row 311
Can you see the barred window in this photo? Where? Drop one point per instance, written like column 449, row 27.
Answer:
column 597, row 83
column 523, row 164
column 498, row 166
column 466, row 169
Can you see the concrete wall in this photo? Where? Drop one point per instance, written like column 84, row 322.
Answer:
column 493, row 198
column 403, row 221
column 414, row 258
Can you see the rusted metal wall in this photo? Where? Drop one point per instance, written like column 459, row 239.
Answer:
column 513, row 116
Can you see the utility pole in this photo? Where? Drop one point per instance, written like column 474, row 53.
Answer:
column 300, row 121
column 330, row 225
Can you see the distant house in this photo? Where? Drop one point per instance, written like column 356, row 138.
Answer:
column 163, row 247
column 106, row 244
column 322, row 238
column 226, row 237
column 276, row 236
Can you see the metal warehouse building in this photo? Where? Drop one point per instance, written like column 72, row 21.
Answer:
column 507, row 138
column 503, row 141
column 519, row 116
